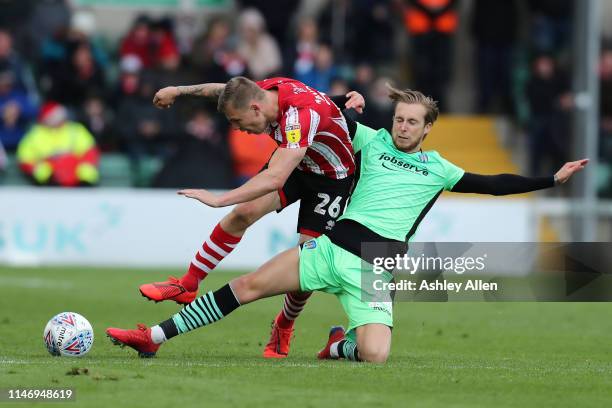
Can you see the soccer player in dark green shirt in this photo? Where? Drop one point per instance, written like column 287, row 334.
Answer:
column 397, row 185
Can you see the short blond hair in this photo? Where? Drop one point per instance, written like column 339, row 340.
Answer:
column 411, row 96
column 238, row 92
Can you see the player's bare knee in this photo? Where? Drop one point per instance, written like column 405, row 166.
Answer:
column 373, row 353
column 245, row 288
column 374, row 356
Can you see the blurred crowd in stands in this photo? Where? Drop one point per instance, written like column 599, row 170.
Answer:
column 68, row 98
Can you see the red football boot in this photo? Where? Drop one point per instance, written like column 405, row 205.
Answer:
column 139, row 339
column 278, row 345
column 168, row 290
column 336, row 334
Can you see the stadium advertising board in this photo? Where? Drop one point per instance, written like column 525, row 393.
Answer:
column 158, row 228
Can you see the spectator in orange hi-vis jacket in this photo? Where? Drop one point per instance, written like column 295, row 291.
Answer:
column 249, row 153
column 432, row 25
column 57, row 151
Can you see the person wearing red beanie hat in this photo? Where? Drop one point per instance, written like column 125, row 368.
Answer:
column 52, row 114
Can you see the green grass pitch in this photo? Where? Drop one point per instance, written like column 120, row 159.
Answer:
column 443, row 354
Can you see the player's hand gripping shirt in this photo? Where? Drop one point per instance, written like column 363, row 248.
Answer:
column 308, row 118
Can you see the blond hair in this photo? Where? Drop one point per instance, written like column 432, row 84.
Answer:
column 238, row 92
column 411, row 96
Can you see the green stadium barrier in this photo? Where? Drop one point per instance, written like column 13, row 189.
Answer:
column 144, row 170
column 116, row 170
column 12, row 175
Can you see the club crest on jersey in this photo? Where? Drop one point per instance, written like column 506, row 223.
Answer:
column 293, row 133
column 312, row 244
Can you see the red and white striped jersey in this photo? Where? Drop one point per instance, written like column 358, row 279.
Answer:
column 308, row 118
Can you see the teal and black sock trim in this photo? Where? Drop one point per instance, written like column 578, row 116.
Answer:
column 201, row 312
column 205, row 310
column 169, row 328
column 347, row 348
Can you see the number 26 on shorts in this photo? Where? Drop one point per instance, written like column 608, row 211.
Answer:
column 334, row 209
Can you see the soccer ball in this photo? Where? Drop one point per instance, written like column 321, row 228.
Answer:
column 68, row 334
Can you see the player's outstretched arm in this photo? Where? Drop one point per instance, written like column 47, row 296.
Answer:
column 282, row 163
column 505, row 184
column 165, row 97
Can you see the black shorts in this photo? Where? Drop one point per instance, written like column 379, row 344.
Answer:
column 322, row 200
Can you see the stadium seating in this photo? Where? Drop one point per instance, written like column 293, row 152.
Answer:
column 12, row 175
column 116, row 170
column 472, row 143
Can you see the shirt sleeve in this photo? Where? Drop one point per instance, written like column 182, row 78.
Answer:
column 452, row 174
column 363, row 136
column 339, row 100
column 501, row 184
column 299, row 127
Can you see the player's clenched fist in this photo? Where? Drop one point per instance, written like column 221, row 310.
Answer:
column 165, row 96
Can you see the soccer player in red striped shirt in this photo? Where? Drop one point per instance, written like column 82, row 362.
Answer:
column 314, row 163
